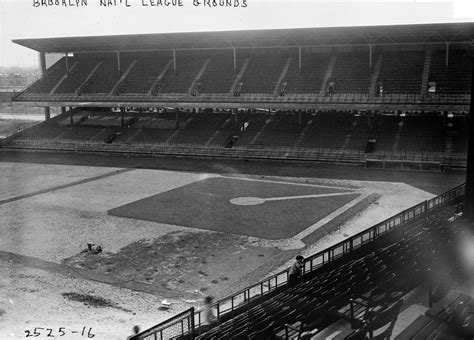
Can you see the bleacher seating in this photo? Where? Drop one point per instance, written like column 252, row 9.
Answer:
column 84, row 133
column 187, row 68
column 256, row 122
column 51, row 78
column 454, row 79
column 288, row 121
column 152, row 136
column 263, row 72
column 143, row 75
column 78, row 75
column 401, row 72
column 310, row 79
column 322, row 134
column 106, row 76
column 459, row 145
column 124, row 135
column 44, row 132
column 155, row 121
column 94, row 77
column 219, row 74
column 194, row 137
column 108, row 120
column 384, row 273
column 421, row 135
column 208, row 121
column 385, row 130
column 351, row 73
column 283, row 130
column 200, row 128
column 328, row 130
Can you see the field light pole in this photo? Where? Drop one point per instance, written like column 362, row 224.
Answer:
column 469, row 196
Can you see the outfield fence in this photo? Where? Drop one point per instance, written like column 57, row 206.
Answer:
column 226, row 306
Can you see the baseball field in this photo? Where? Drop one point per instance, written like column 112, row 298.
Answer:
column 172, row 230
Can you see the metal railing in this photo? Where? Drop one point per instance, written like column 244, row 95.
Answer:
column 338, row 98
column 243, row 297
column 173, row 328
column 249, row 152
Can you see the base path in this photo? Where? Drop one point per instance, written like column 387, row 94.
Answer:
column 58, row 187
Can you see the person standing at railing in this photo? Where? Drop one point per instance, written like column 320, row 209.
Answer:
column 136, row 330
column 296, row 271
column 208, row 316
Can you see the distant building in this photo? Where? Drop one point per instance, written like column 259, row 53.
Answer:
column 13, row 80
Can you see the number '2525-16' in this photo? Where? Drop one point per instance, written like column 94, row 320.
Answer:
column 61, row 331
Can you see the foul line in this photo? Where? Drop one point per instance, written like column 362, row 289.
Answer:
column 308, row 196
column 259, row 200
column 288, row 183
column 63, row 186
column 311, row 229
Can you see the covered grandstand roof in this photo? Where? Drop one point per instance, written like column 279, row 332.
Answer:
column 328, row 36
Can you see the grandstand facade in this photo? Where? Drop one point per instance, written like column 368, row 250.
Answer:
column 382, row 96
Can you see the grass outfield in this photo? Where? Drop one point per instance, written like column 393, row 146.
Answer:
column 206, row 204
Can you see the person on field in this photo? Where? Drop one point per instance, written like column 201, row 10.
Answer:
column 91, row 247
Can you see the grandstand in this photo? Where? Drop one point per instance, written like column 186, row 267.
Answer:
column 393, row 97
column 388, row 83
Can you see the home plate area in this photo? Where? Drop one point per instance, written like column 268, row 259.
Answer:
column 258, row 208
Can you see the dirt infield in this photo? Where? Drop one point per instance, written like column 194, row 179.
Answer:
column 54, row 209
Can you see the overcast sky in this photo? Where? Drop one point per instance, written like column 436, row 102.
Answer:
column 21, row 19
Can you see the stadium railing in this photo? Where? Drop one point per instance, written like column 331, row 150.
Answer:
column 289, row 154
column 173, row 328
column 231, row 303
column 337, row 98
column 335, row 155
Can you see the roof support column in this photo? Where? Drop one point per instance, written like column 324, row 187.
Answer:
column 63, row 113
column 370, row 55
column 299, row 59
column 71, row 116
column 118, row 63
column 447, row 54
column 176, row 112
column 235, row 59
column 174, row 61
column 42, row 63
column 47, row 113
column 67, row 65
column 42, row 56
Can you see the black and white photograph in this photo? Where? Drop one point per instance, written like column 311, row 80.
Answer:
column 236, row 169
